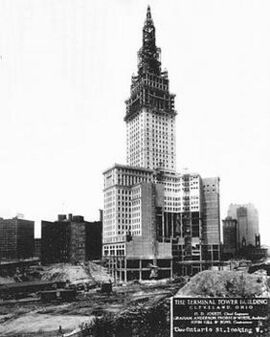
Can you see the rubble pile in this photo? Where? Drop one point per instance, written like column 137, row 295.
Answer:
column 6, row 280
column 89, row 273
column 98, row 273
column 226, row 284
column 66, row 273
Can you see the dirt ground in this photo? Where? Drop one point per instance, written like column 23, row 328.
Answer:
column 227, row 284
column 37, row 319
column 33, row 322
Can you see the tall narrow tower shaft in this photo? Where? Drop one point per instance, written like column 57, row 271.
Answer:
column 150, row 113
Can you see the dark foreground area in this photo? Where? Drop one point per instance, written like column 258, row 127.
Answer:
column 136, row 309
column 131, row 310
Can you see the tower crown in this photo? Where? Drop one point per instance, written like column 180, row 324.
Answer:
column 150, row 87
column 149, row 54
column 150, row 113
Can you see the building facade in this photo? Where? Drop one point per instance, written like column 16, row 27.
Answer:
column 37, row 251
column 229, row 238
column 93, row 240
column 70, row 239
column 16, row 239
column 156, row 221
column 247, row 224
column 241, row 238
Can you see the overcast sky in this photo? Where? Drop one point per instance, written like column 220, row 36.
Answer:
column 65, row 70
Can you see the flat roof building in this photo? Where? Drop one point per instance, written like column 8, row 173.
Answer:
column 229, row 238
column 16, row 238
column 248, row 223
column 70, row 239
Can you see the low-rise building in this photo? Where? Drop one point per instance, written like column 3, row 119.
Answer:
column 229, row 238
column 37, row 252
column 70, row 239
column 16, row 239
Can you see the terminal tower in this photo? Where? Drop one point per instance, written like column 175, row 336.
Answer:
column 156, row 222
column 150, row 113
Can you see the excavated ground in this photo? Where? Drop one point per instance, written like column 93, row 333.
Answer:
column 37, row 319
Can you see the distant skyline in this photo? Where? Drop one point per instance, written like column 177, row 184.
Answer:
column 65, row 72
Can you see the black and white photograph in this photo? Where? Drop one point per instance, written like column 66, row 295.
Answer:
column 134, row 168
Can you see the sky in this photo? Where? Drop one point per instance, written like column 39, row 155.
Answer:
column 65, row 73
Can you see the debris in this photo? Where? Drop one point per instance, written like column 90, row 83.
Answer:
column 6, row 280
column 88, row 273
column 66, row 272
column 98, row 273
column 225, row 284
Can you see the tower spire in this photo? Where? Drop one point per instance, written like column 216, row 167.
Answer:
column 150, row 89
column 148, row 14
column 149, row 53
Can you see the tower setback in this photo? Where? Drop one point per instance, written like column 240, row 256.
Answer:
column 150, row 113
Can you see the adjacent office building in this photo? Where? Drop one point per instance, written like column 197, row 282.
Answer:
column 247, row 222
column 16, row 239
column 37, row 251
column 156, row 221
column 229, row 237
column 241, row 236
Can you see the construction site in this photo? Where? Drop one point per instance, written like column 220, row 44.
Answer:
column 83, row 300
column 158, row 235
column 41, row 301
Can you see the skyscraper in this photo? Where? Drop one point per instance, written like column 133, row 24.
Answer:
column 150, row 113
column 241, row 235
column 247, row 223
column 156, row 221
